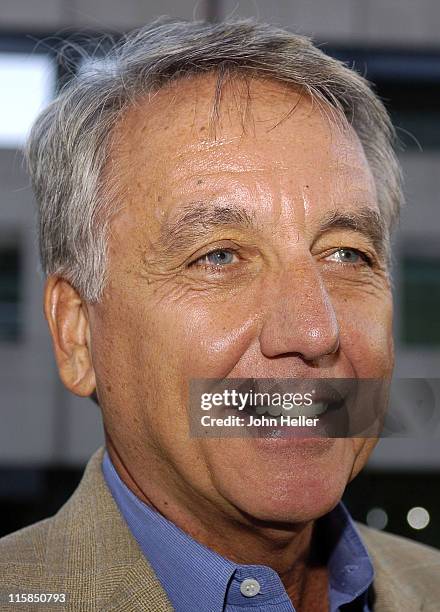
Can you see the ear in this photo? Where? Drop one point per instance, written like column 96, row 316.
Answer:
column 66, row 314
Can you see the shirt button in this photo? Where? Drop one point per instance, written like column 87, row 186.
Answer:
column 250, row 587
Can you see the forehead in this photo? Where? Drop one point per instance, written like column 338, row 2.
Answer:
column 178, row 141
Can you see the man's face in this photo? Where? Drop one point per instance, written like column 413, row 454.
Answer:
column 220, row 266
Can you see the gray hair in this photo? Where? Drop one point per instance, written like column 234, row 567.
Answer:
column 69, row 143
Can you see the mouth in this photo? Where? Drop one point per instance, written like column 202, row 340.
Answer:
column 331, row 408
column 316, row 409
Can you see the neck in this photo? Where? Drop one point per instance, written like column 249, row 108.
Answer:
column 286, row 548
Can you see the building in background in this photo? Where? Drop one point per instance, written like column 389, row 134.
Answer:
column 396, row 44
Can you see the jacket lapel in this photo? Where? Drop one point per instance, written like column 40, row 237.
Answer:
column 92, row 556
column 140, row 592
column 391, row 594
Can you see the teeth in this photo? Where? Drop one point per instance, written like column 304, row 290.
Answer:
column 314, row 409
column 275, row 410
column 308, row 411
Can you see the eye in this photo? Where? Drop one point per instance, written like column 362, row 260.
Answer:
column 217, row 258
column 346, row 255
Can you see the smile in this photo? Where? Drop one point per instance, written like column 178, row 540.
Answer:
column 313, row 410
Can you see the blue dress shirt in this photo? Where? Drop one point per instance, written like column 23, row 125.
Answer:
column 197, row 578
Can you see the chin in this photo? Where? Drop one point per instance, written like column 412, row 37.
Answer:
column 292, row 482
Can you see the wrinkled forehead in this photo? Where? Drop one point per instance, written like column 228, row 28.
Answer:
column 207, row 113
column 194, row 135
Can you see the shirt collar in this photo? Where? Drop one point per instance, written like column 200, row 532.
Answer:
column 197, row 578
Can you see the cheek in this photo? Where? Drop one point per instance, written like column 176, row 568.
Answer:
column 158, row 344
column 366, row 336
column 363, row 447
column 206, row 340
column 367, row 343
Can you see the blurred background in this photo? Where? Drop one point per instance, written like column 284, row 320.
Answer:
column 46, row 434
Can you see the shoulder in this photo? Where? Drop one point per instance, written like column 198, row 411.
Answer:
column 399, row 552
column 31, row 543
column 412, row 567
column 24, row 548
column 23, row 561
column 85, row 553
column 42, row 554
column 25, row 543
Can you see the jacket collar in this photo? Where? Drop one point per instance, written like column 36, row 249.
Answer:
column 91, row 551
column 391, row 592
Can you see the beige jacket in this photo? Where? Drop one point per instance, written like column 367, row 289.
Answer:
column 87, row 552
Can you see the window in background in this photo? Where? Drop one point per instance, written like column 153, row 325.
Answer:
column 415, row 112
column 420, row 300
column 27, row 83
column 409, row 85
column 418, row 129
column 10, row 293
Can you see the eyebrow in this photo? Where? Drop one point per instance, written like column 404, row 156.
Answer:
column 365, row 220
column 198, row 218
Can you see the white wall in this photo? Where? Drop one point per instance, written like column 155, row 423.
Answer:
column 399, row 22
column 93, row 14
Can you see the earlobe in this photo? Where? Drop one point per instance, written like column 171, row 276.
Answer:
column 66, row 314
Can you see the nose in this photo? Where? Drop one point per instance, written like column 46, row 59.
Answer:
column 300, row 317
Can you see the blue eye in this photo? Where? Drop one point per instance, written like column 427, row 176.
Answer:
column 348, row 256
column 219, row 257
